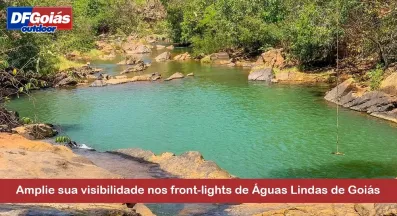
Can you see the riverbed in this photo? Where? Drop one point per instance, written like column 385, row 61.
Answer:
column 251, row 129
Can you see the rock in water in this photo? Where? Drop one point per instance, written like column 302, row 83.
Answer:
column 138, row 67
column 98, row 83
column 35, row 131
column 155, row 76
column 190, row 74
column 261, row 74
column 171, row 47
column 131, row 60
column 104, row 77
column 165, row 56
column 182, row 57
column 341, row 90
column 176, row 75
column 160, row 47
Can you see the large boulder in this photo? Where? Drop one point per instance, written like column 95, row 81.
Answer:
column 261, row 74
column 272, row 58
column 176, row 75
column 339, row 91
column 98, row 83
column 36, row 131
column 389, row 85
column 165, row 56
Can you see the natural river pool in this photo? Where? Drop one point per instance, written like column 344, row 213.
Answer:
column 251, row 129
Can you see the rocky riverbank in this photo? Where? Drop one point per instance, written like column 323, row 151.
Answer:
column 380, row 103
column 22, row 158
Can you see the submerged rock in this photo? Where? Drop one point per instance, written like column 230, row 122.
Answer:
column 36, row 131
column 261, row 74
column 176, row 75
column 165, row 56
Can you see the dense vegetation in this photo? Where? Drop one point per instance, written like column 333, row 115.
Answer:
column 39, row 52
column 306, row 29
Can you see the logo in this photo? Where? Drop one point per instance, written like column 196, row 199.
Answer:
column 39, row 19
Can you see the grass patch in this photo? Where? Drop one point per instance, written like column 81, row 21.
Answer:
column 64, row 63
column 93, row 54
column 291, row 69
column 375, row 77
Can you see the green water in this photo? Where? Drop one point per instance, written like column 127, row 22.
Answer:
column 250, row 129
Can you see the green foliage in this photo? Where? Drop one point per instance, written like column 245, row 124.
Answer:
column 307, row 30
column 62, row 139
column 40, row 53
column 26, row 120
column 375, row 77
column 206, row 60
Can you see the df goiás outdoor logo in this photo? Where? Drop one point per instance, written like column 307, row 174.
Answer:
column 39, row 19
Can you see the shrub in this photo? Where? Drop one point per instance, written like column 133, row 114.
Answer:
column 375, row 77
column 26, row 120
column 62, row 139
